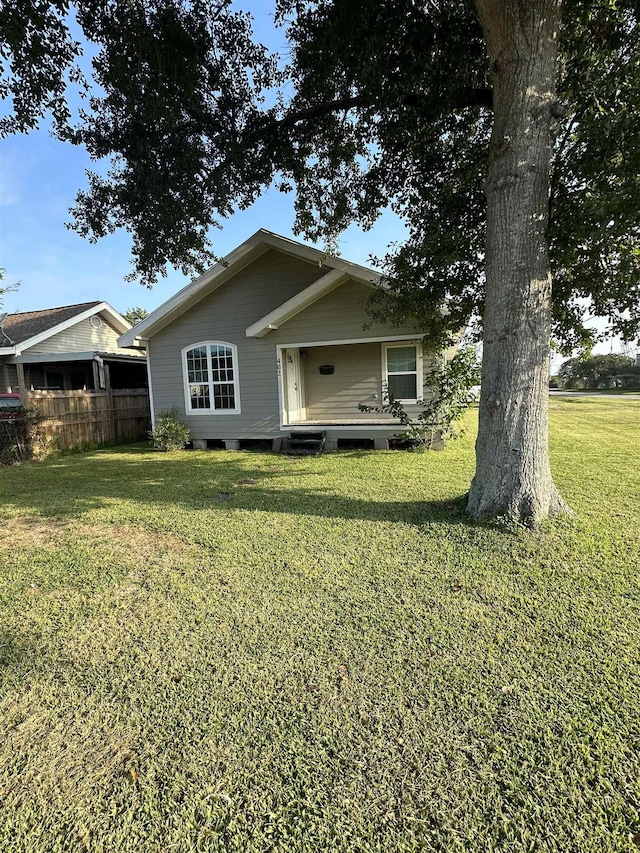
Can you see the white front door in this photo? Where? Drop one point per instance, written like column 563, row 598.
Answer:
column 293, row 375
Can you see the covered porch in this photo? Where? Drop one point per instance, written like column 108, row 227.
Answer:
column 76, row 371
column 322, row 385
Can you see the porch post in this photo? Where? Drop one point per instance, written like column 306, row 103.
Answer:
column 22, row 384
column 96, row 375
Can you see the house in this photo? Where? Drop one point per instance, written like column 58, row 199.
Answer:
column 67, row 348
column 276, row 341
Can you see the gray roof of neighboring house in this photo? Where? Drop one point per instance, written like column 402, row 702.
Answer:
column 17, row 328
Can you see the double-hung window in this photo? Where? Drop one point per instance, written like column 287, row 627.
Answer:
column 402, row 372
column 211, row 378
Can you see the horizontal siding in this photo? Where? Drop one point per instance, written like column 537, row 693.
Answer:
column 340, row 315
column 357, row 378
column 225, row 315
column 82, row 338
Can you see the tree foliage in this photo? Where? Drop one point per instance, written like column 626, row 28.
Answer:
column 134, row 315
column 4, row 289
column 594, row 230
column 600, row 371
column 375, row 104
column 37, row 59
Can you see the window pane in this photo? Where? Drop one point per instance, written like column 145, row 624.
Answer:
column 401, row 359
column 222, row 364
column 197, row 365
column 402, row 387
column 224, row 397
column 200, row 398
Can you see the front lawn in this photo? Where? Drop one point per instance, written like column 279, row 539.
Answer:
column 210, row 651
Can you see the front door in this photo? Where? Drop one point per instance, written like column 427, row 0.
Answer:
column 293, row 374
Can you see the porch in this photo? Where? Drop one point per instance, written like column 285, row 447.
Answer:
column 343, row 422
column 322, row 385
column 75, row 371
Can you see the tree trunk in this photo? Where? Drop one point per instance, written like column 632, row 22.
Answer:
column 513, row 476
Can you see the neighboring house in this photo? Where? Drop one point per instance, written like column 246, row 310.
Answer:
column 277, row 341
column 69, row 348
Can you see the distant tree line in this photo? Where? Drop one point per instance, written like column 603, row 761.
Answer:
column 598, row 372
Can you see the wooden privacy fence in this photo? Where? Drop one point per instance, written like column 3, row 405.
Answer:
column 76, row 418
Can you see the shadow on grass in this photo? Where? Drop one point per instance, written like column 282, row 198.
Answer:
column 327, row 504
column 17, row 655
column 68, row 486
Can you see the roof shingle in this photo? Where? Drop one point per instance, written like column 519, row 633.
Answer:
column 17, row 328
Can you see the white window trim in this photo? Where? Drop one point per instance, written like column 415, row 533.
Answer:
column 418, row 371
column 185, row 379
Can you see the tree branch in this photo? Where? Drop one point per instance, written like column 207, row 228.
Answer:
column 327, row 108
column 465, row 98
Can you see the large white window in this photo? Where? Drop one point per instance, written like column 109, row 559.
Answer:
column 402, row 371
column 210, row 373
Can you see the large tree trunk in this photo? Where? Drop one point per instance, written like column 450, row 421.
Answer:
column 513, row 477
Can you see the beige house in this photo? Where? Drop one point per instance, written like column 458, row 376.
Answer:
column 274, row 343
column 67, row 348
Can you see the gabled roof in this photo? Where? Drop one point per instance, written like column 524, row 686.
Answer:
column 297, row 303
column 245, row 254
column 27, row 324
column 23, row 330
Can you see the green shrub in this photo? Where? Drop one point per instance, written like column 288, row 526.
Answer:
column 454, row 391
column 20, row 436
column 169, row 433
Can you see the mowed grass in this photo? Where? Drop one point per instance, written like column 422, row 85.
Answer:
column 210, row 651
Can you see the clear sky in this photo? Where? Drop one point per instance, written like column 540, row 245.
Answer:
column 39, row 178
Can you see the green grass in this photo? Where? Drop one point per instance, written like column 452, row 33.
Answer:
column 600, row 392
column 331, row 658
